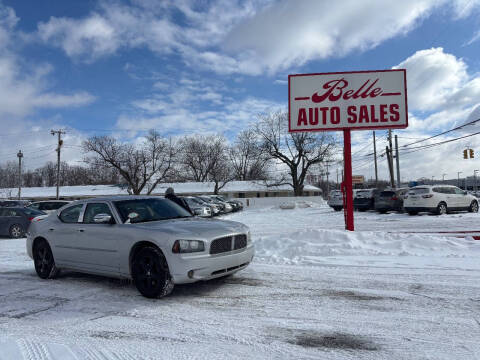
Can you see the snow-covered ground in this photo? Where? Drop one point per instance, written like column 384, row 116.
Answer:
column 314, row 291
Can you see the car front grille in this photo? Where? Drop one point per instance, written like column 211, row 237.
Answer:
column 224, row 244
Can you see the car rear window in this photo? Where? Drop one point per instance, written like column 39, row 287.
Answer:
column 32, row 212
column 387, row 193
column 419, row 191
column 363, row 193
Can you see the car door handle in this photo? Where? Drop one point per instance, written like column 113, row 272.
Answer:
column 81, row 230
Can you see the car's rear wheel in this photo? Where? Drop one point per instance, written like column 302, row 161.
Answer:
column 442, row 209
column 16, row 231
column 44, row 261
column 150, row 273
column 473, row 206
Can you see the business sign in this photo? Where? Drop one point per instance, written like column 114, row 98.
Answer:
column 348, row 100
column 358, row 179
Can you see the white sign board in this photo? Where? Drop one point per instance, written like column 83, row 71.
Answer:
column 348, row 100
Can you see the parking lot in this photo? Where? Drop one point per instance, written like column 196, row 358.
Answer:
column 313, row 291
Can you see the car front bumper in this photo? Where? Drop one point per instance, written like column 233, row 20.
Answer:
column 206, row 266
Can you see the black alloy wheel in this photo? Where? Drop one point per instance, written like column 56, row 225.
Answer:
column 16, row 231
column 44, row 261
column 150, row 273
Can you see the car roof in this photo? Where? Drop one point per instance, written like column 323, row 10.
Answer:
column 47, row 201
column 116, row 198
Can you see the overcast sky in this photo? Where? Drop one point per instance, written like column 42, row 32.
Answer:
column 120, row 67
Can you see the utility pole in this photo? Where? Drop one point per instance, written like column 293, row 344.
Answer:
column 390, row 166
column 328, row 184
column 20, row 156
column 337, row 179
column 397, row 160
column 443, row 178
column 475, row 180
column 375, row 159
column 458, row 178
column 60, row 143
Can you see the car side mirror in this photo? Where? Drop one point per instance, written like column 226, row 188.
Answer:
column 465, row 193
column 102, row 219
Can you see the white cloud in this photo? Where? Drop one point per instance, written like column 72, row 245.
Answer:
column 248, row 37
column 437, row 80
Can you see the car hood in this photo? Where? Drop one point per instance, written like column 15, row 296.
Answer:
column 203, row 228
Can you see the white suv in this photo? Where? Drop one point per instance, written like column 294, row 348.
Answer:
column 438, row 199
column 335, row 200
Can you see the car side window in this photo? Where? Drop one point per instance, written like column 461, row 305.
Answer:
column 95, row 209
column 458, row 191
column 34, row 206
column 71, row 214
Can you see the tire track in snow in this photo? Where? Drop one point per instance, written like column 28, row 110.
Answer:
column 32, row 350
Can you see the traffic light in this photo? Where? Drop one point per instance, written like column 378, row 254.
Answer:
column 472, row 154
column 465, row 154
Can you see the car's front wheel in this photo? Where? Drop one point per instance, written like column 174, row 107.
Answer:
column 150, row 273
column 43, row 260
column 442, row 209
column 473, row 206
column 16, row 231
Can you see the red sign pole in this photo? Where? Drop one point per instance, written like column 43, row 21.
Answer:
column 347, row 159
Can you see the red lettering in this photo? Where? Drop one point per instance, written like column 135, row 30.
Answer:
column 364, row 95
column 395, row 114
column 373, row 119
column 312, row 120
column 348, row 94
column 356, row 95
column 335, row 115
column 331, row 86
column 302, row 117
column 375, row 92
column 324, row 115
column 352, row 115
column 363, row 114
column 383, row 113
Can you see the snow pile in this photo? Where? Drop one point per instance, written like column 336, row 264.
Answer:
column 313, row 245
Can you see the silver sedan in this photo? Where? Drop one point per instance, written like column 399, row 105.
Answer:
column 150, row 240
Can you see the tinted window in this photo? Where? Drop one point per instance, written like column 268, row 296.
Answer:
column 35, row 206
column 9, row 212
column 95, row 209
column 150, row 210
column 458, row 191
column 387, row 193
column 32, row 212
column 71, row 214
column 418, row 191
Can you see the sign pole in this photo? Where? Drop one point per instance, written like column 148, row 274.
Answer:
column 347, row 158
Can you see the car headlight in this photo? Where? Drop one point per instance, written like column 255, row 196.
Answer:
column 187, row 246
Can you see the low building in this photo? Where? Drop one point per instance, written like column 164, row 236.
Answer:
column 233, row 189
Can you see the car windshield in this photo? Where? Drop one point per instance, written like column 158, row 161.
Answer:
column 418, row 191
column 144, row 210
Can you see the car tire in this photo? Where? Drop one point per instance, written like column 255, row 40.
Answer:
column 412, row 213
column 16, row 231
column 473, row 207
column 382, row 211
column 442, row 209
column 44, row 261
column 150, row 273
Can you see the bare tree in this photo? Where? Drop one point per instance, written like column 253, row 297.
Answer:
column 246, row 157
column 298, row 151
column 141, row 166
column 205, row 158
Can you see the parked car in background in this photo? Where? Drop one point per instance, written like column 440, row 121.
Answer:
column 197, row 207
column 216, row 209
column 14, row 203
column 390, row 200
column 365, row 199
column 48, row 206
column 335, row 200
column 224, row 207
column 14, row 221
column 439, row 199
column 151, row 240
column 236, row 205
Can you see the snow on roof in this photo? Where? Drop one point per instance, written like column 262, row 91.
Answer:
column 180, row 188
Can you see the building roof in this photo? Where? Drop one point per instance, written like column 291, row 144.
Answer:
column 180, row 188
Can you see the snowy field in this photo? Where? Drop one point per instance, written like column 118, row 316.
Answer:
column 314, row 291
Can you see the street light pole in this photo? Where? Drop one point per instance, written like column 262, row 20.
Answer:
column 20, row 156
column 432, row 178
column 458, row 177
column 475, row 180
column 443, row 178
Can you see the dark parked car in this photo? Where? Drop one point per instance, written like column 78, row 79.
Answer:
column 365, row 199
column 14, row 222
column 390, row 200
column 14, row 203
